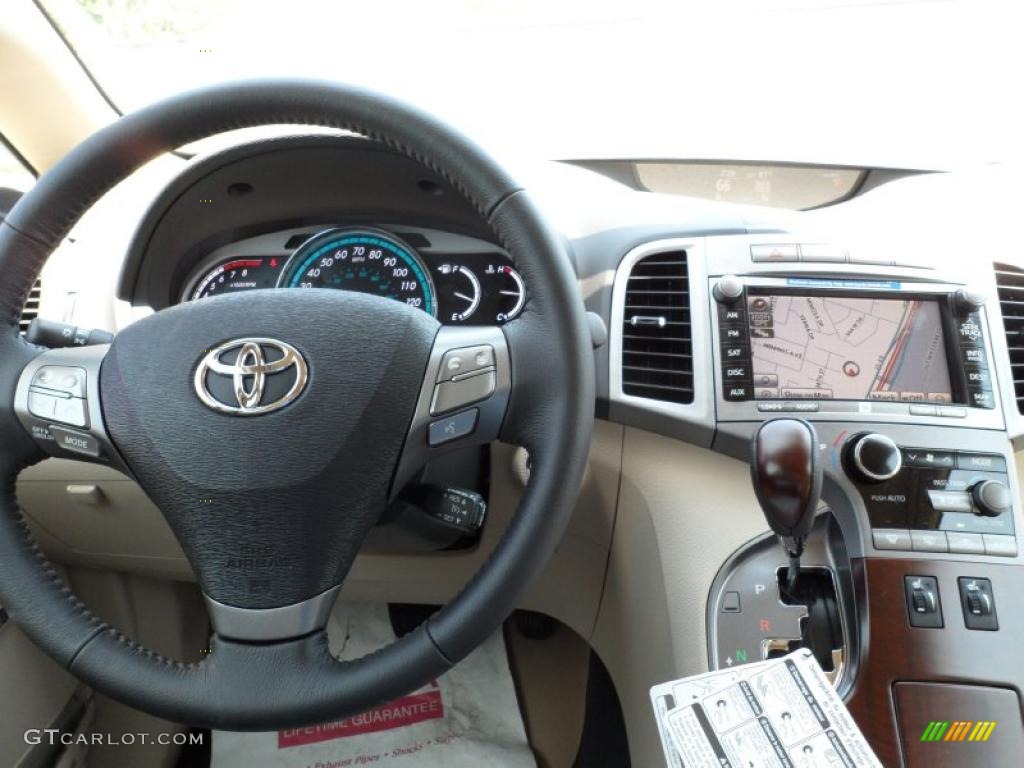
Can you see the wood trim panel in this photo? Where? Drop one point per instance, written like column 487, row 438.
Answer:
column 892, row 651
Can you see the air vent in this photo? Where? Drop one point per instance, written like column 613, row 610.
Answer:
column 28, row 314
column 657, row 349
column 1010, row 282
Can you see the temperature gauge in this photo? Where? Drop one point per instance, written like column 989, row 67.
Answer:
column 511, row 292
column 460, row 291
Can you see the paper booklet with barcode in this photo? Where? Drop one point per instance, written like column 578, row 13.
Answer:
column 781, row 713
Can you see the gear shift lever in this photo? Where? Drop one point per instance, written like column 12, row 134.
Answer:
column 786, row 473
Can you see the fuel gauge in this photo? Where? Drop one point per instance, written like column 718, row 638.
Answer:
column 460, row 290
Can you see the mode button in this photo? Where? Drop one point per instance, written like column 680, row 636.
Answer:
column 76, row 442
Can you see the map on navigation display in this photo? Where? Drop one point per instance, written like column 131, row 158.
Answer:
column 844, row 348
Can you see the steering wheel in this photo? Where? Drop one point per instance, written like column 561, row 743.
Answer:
column 271, row 504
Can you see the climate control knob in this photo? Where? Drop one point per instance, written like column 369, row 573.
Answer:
column 991, row 498
column 873, row 458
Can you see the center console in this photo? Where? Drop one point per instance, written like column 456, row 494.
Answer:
column 911, row 571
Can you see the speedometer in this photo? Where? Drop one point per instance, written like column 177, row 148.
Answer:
column 364, row 260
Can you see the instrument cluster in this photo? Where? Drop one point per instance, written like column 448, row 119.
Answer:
column 455, row 286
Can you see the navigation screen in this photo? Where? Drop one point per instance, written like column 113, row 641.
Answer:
column 843, row 348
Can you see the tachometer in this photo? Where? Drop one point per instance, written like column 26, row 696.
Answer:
column 365, row 260
column 239, row 274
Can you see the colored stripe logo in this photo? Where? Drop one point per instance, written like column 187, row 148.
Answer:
column 958, row 730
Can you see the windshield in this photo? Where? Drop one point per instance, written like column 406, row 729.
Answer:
column 897, row 83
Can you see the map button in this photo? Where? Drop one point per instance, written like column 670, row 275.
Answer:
column 771, row 407
column 981, row 398
column 952, row 412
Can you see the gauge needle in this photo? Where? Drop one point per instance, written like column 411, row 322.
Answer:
column 463, row 296
column 509, row 293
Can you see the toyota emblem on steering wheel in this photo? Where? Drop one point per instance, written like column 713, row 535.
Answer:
column 248, row 377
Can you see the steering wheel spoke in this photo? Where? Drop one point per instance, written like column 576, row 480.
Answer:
column 57, row 401
column 462, row 400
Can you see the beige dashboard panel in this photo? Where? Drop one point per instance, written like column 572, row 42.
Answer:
column 122, row 530
column 116, row 527
column 682, row 511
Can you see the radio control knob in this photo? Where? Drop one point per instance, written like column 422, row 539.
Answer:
column 991, row 497
column 728, row 290
column 968, row 301
column 873, row 458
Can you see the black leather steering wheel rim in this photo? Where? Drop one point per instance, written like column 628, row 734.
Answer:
column 249, row 686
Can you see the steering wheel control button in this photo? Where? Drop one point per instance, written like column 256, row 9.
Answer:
column 461, row 362
column 57, row 406
column 452, row 427
column 891, row 538
column 929, row 541
column 64, row 378
column 42, row 404
column 76, row 442
column 462, row 391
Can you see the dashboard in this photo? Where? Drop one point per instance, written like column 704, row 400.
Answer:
column 458, row 280
column 717, row 318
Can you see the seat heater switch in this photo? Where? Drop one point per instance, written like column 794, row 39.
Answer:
column 923, row 603
column 462, row 391
column 457, row 363
column 978, row 602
